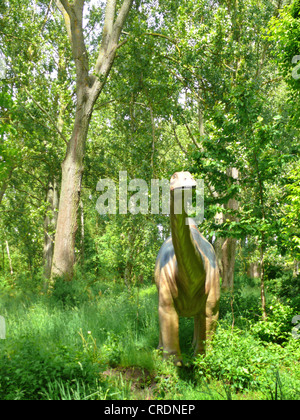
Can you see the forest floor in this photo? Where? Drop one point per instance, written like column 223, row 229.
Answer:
column 99, row 343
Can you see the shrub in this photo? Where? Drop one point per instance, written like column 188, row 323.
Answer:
column 70, row 293
column 236, row 359
column 111, row 350
column 244, row 303
column 28, row 368
column 277, row 328
column 287, row 288
column 168, row 384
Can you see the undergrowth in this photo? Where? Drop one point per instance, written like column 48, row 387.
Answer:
column 98, row 342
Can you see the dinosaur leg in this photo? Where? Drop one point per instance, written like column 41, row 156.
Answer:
column 204, row 330
column 160, row 343
column 169, row 333
column 199, row 334
column 211, row 325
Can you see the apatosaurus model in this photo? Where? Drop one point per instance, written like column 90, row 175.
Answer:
column 187, row 277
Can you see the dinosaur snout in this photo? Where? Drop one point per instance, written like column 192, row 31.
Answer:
column 182, row 180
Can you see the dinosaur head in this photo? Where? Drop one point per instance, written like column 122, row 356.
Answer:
column 182, row 180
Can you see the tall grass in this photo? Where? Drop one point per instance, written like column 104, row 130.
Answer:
column 59, row 338
column 99, row 343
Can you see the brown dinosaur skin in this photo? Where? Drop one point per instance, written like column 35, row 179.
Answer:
column 187, row 278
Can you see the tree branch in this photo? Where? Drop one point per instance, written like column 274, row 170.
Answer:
column 28, row 194
column 173, row 41
column 48, row 115
column 177, row 140
column 65, row 4
column 66, row 17
column 5, row 184
column 91, row 86
column 277, row 79
column 73, row 16
column 191, row 136
column 35, row 177
column 119, row 23
column 46, row 17
column 110, row 42
column 108, row 21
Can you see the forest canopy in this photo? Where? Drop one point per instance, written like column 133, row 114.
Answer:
column 210, row 87
column 91, row 88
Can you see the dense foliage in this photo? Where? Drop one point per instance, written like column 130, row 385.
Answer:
column 99, row 343
column 210, row 86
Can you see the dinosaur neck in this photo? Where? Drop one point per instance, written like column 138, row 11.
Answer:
column 189, row 261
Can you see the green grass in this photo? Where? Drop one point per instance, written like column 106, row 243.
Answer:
column 99, row 343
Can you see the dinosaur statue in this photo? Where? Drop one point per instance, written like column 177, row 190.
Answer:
column 187, row 278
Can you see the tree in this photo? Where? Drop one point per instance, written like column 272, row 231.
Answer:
column 284, row 31
column 8, row 154
column 218, row 57
column 88, row 88
column 290, row 215
column 195, row 87
column 37, row 65
column 231, row 119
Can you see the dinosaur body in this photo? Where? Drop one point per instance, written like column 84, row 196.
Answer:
column 187, row 277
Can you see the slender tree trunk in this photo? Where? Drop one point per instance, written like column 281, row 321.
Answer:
column 262, row 246
column 228, row 263
column 2, row 191
column 253, row 270
column 226, row 247
column 82, row 232
column 201, row 118
column 9, row 258
column 153, row 139
column 296, row 268
column 262, row 284
column 50, row 226
column 3, row 258
column 5, row 185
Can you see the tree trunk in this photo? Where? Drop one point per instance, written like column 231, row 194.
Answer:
column 88, row 89
column 253, row 270
column 296, row 268
column 82, row 233
column 226, row 247
column 3, row 258
column 72, row 170
column 228, row 263
column 262, row 284
column 2, row 191
column 50, row 226
column 9, row 258
column 262, row 246
column 5, row 184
